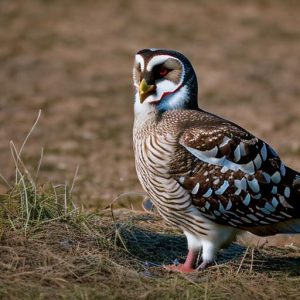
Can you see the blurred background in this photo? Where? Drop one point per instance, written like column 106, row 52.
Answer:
column 73, row 60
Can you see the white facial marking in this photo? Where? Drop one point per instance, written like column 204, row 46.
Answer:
column 157, row 60
column 162, row 87
column 178, row 98
column 140, row 60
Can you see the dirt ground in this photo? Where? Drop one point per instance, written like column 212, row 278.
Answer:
column 73, row 60
column 58, row 260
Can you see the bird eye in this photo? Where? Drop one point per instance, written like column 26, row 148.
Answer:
column 163, row 71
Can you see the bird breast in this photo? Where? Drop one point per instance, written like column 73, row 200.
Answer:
column 153, row 153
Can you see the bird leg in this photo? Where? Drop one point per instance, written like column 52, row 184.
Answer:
column 205, row 264
column 189, row 264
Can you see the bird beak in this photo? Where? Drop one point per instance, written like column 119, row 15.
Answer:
column 145, row 90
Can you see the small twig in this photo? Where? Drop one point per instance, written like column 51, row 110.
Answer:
column 26, row 205
column 30, row 131
column 125, row 194
column 74, row 180
column 114, row 221
column 17, row 160
column 252, row 258
column 54, row 189
column 65, row 199
column 206, row 289
column 6, row 182
column 242, row 261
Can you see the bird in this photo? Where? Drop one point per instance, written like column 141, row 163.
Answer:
column 205, row 175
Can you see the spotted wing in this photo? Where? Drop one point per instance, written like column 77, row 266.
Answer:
column 237, row 179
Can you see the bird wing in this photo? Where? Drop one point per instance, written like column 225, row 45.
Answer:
column 235, row 178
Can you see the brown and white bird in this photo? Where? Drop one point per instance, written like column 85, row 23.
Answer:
column 205, row 175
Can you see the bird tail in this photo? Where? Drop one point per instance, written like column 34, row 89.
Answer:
column 287, row 227
column 290, row 226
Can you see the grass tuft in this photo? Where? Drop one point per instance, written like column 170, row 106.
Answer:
column 28, row 203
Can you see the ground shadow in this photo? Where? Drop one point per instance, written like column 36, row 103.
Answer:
column 164, row 248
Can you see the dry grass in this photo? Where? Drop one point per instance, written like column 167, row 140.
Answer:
column 84, row 258
column 51, row 249
column 73, row 59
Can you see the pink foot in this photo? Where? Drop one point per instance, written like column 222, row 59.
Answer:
column 181, row 268
column 189, row 264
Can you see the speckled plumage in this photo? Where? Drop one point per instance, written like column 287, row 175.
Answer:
column 206, row 175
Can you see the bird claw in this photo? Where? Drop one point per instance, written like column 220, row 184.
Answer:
column 204, row 265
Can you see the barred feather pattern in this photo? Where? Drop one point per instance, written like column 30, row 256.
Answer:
column 180, row 161
column 154, row 150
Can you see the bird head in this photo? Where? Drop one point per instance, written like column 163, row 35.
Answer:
column 164, row 79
